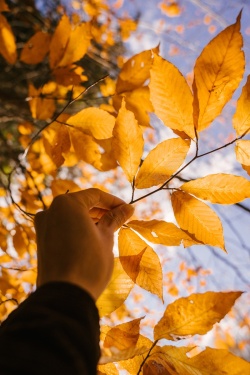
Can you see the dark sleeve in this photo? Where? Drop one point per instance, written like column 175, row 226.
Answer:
column 55, row 331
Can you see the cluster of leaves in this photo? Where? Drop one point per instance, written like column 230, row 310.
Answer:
column 114, row 135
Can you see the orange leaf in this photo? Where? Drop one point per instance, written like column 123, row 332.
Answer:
column 7, row 41
column 59, row 41
column 241, row 118
column 36, row 48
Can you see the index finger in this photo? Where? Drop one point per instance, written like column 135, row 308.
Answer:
column 97, row 198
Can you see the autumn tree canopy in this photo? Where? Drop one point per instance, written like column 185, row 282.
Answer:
column 76, row 112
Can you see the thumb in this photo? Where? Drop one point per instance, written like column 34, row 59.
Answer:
column 116, row 217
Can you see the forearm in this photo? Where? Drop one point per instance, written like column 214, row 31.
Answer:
column 56, row 330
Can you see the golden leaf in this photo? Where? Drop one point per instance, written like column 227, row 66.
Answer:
column 176, row 360
column 219, row 188
column 77, row 45
column 171, row 10
column 195, row 314
column 123, row 336
column 93, row 121
column 171, row 96
column 41, row 108
column 7, row 41
column 217, row 74
column 59, row 41
column 108, row 369
column 132, row 365
column 162, row 162
column 242, row 150
column 149, row 276
column 159, row 232
column 60, row 186
column 138, row 102
column 127, row 142
column 116, row 292
column 134, row 72
column 198, row 219
column 241, row 118
column 36, row 48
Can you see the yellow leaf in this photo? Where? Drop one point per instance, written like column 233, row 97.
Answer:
column 132, row 365
column 116, row 355
column 94, row 121
column 123, row 336
column 241, row 118
column 149, row 276
column 127, row 142
column 41, row 108
column 36, row 48
column 134, row 72
column 7, row 41
column 171, row 96
column 242, row 150
column 60, row 186
column 61, row 144
column 116, row 292
column 77, row 45
column 176, row 360
column 246, row 168
column 162, row 162
column 219, row 188
column 138, row 102
column 159, row 232
column 59, row 41
column 198, row 219
column 195, row 314
column 217, row 74
column 108, row 369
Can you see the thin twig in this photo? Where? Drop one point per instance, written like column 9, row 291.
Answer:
column 143, row 362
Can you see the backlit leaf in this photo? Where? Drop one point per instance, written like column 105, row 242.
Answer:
column 116, row 292
column 41, row 108
column 138, row 102
column 7, row 41
column 195, row 314
column 127, row 142
column 60, row 186
column 241, row 118
column 242, row 150
column 3, row 6
column 108, row 369
column 175, row 360
column 94, row 121
column 159, row 232
column 198, row 219
column 77, row 45
column 36, row 48
column 134, row 72
column 149, row 272
column 123, row 336
column 171, row 96
column 162, row 162
column 217, row 74
column 132, row 365
column 59, row 41
column 219, row 188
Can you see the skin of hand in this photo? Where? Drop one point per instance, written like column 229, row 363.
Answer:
column 75, row 238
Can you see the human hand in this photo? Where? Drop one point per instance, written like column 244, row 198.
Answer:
column 75, row 238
